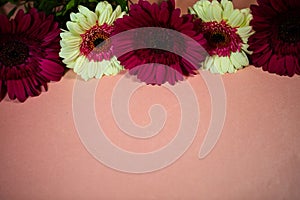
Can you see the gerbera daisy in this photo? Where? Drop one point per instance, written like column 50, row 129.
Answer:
column 159, row 65
column 276, row 43
column 227, row 31
column 29, row 47
column 86, row 46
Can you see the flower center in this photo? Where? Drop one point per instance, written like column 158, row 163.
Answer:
column 222, row 39
column 218, row 39
column 289, row 29
column 98, row 41
column 13, row 53
column 160, row 42
column 96, row 44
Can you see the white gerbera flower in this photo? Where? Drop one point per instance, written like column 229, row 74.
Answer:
column 86, row 47
column 227, row 31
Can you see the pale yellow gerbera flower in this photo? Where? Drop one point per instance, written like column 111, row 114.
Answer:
column 227, row 31
column 86, row 48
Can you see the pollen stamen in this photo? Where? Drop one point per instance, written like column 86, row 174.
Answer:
column 96, row 44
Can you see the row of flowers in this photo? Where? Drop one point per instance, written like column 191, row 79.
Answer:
column 214, row 36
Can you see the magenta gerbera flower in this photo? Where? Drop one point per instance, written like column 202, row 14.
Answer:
column 276, row 43
column 29, row 47
column 166, row 65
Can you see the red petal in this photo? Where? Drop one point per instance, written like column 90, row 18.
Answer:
column 145, row 72
column 24, row 23
column 45, row 26
column 11, row 89
column 51, row 67
column 30, row 88
column 279, row 5
column 290, row 63
column 272, row 64
column 3, row 90
column 260, row 60
column 261, row 48
column 5, row 25
column 19, row 15
column 20, row 91
column 160, row 74
column 171, row 75
column 163, row 14
column 151, row 78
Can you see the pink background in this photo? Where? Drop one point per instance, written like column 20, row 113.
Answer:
column 256, row 157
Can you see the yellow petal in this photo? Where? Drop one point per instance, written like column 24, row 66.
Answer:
column 84, row 74
column 66, row 34
column 116, row 14
column 216, row 11
column 101, row 6
column 99, row 72
column 231, row 68
column 80, row 64
column 72, row 56
column 72, row 42
column 244, row 31
column 82, row 20
column 247, row 17
column 225, row 62
column 217, row 65
column 245, row 48
column 104, row 16
column 73, row 17
column 228, row 8
column 236, row 18
column 91, row 16
column 200, row 12
column 208, row 63
column 107, row 68
column 75, row 28
column 91, row 69
column 239, row 59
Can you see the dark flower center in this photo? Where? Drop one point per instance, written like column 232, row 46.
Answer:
column 98, row 41
column 289, row 27
column 217, row 39
column 160, row 42
column 95, row 42
column 221, row 38
column 289, row 32
column 100, row 38
column 13, row 53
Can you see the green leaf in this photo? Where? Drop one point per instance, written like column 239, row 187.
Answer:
column 122, row 3
column 70, row 5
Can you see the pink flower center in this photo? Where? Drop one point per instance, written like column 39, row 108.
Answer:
column 13, row 53
column 96, row 44
column 222, row 39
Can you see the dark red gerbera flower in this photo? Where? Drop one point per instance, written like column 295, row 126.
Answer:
column 276, row 43
column 172, row 50
column 29, row 47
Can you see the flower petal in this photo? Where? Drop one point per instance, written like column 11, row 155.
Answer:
column 105, row 15
column 236, row 18
column 91, row 16
column 3, row 90
column 228, row 8
column 75, row 28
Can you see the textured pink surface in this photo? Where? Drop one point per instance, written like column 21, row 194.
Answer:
column 256, row 157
